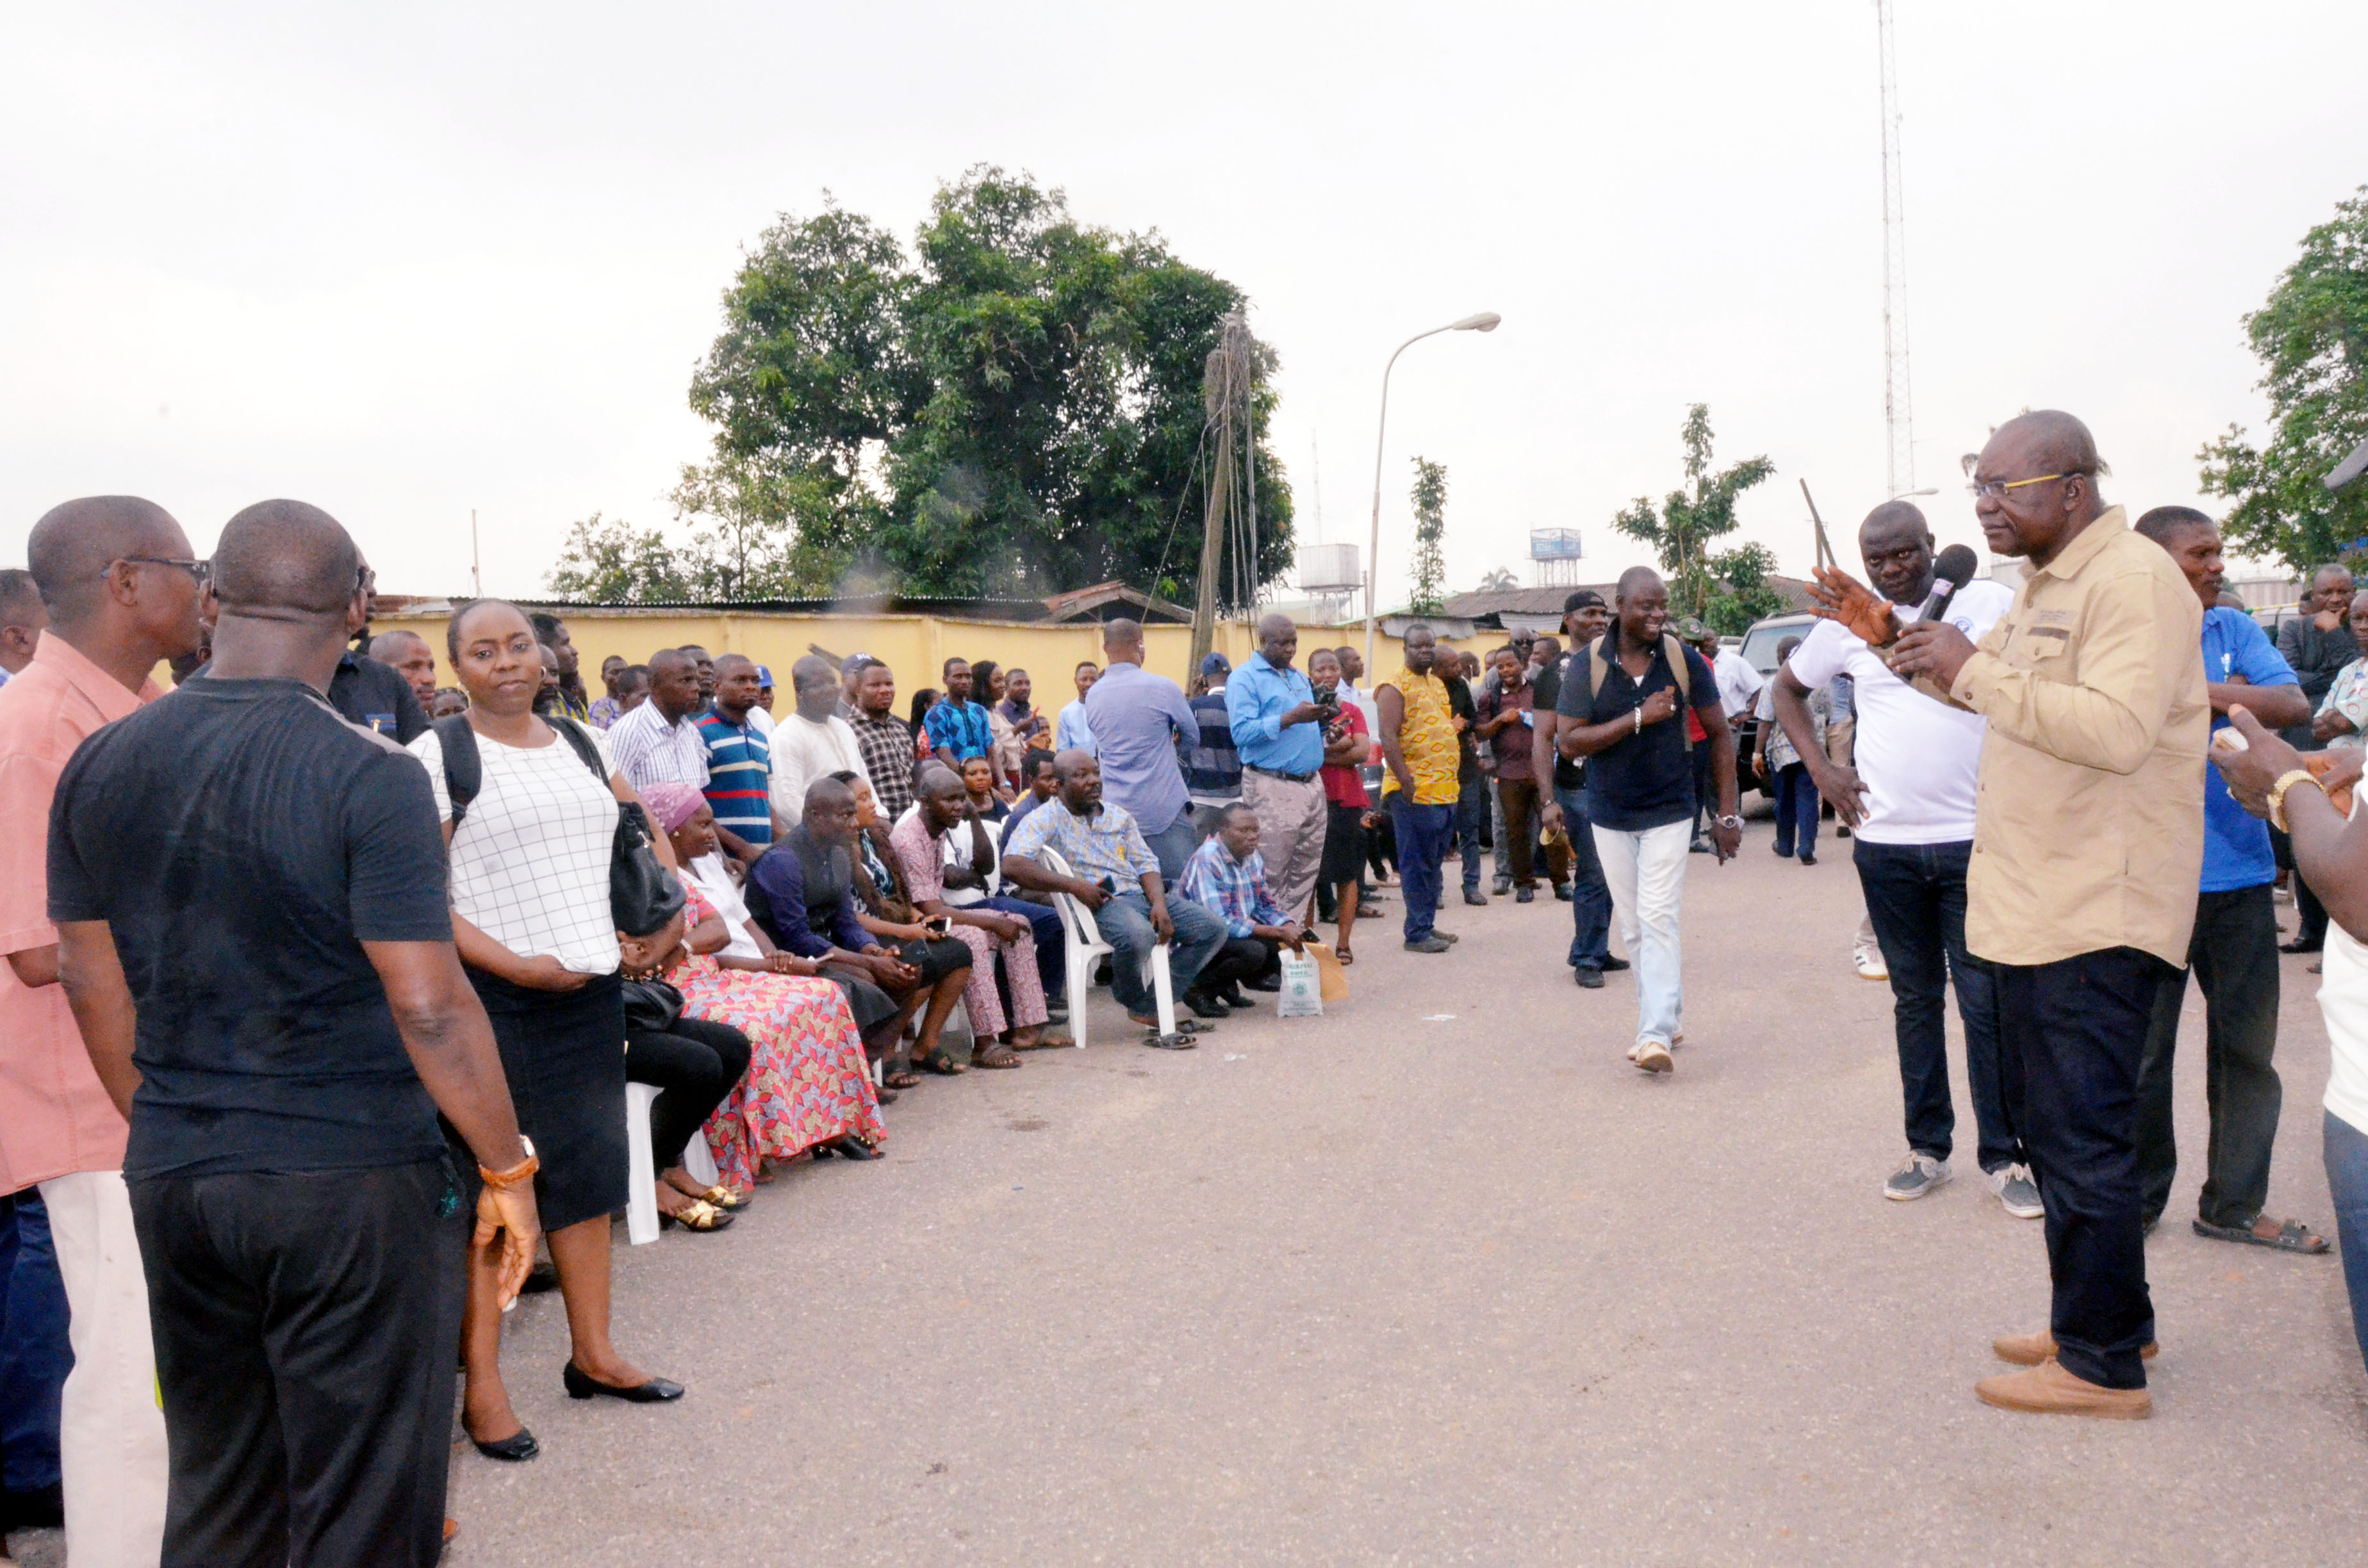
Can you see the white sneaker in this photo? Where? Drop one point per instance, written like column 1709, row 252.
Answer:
column 2017, row 1192
column 1918, row 1175
column 1652, row 1056
column 1868, row 956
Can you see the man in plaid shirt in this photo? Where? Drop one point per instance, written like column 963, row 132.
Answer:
column 1227, row 877
column 885, row 742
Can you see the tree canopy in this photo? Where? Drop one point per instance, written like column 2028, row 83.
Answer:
column 2312, row 339
column 1728, row 590
column 1430, row 498
column 1012, row 406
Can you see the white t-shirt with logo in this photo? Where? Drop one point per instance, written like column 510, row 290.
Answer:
column 1918, row 757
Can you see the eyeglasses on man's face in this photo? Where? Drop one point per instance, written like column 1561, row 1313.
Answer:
column 200, row 571
column 1996, row 489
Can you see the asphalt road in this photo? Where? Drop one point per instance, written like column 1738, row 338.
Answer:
column 1438, row 1278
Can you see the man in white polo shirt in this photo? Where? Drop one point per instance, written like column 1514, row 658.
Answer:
column 1909, row 801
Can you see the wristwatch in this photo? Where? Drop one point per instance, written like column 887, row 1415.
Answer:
column 2277, row 795
column 1735, row 823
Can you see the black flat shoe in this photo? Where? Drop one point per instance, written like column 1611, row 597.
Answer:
column 849, row 1147
column 1589, row 979
column 1613, row 966
column 2298, row 946
column 1269, row 983
column 515, row 1448
column 583, row 1385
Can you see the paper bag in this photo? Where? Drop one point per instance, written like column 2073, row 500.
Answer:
column 1328, row 968
column 1301, row 996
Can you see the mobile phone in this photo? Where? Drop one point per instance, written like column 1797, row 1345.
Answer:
column 938, row 924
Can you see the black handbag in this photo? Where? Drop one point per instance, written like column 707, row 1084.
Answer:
column 643, row 894
column 652, row 1006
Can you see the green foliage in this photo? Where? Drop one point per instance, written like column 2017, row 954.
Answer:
column 1013, row 407
column 1430, row 595
column 610, row 562
column 1681, row 531
column 2312, row 339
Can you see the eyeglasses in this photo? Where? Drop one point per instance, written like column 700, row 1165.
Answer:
column 1994, row 488
column 202, row 572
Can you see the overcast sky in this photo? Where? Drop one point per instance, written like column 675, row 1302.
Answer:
column 406, row 262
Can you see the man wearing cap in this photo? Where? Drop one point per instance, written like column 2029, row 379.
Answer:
column 762, row 714
column 1279, row 730
column 1212, row 768
column 851, row 670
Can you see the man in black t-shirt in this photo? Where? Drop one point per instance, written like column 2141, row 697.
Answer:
column 1583, row 620
column 256, row 940
column 1620, row 710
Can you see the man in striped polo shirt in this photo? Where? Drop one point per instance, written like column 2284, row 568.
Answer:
column 739, row 760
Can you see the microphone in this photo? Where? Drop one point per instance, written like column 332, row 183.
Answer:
column 1955, row 567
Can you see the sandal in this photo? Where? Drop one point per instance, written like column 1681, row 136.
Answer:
column 997, row 1055
column 2292, row 1236
column 900, row 1076
column 942, row 1062
column 723, row 1197
column 702, row 1216
column 1344, row 954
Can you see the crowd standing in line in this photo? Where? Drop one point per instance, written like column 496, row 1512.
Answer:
column 493, row 905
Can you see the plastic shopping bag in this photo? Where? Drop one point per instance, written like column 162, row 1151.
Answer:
column 1301, row 996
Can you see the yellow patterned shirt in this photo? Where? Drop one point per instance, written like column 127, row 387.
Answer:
column 1427, row 738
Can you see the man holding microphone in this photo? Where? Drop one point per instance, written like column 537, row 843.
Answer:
column 2087, row 846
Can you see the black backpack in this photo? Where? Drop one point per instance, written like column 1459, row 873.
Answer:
column 643, row 894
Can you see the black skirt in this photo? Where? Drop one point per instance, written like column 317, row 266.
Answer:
column 1344, row 845
column 563, row 1052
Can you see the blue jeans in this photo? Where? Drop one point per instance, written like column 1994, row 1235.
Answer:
column 1797, row 811
column 2346, row 1182
column 1590, row 895
column 1422, row 833
column 1915, row 897
column 1471, row 810
column 1125, row 925
column 1172, row 846
column 34, row 1353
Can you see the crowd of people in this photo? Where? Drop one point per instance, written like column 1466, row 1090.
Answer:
column 327, row 983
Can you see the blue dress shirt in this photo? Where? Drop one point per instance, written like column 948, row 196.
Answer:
column 1137, row 717
column 1257, row 697
column 2236, row 851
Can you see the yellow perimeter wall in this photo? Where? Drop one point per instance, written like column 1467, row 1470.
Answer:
column 914, row 646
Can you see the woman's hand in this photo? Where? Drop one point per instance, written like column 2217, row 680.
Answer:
column 789, row 963
column 543, row 972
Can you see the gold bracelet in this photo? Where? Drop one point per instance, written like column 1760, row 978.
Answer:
column 2278, row 794
column 519, row 1174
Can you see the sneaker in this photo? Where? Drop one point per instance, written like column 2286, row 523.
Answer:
column 1430, row 944
column 1561, row 893
column 1868, row 956
column 1652, row 1056
column 1807, row 859
column 2049, row 1390
column 1590, row 978
column 2017, row 1192
column 1613, row 966
column 1473, row 895
column 1503, row 886
column 1525, row 895
column 1918, row 1175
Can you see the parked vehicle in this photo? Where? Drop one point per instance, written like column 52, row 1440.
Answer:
column 1759, row 646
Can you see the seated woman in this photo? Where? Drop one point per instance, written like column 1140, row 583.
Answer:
column 694, row 1063
column 802, row 892
column 808, row 1086
column 941, row 812
column 989, row 799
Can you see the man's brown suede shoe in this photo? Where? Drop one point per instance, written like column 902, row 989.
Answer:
column 2048, row 1390
column 2031, row 1349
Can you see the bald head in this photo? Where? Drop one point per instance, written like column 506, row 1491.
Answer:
column 2054, row 438
column 1122, row 641
column 1636, row 579
column 285, row 561
column 75, row 543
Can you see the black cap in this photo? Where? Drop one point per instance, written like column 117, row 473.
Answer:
column 1582, row 598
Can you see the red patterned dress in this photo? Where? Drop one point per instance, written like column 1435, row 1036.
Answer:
column 807, row 1080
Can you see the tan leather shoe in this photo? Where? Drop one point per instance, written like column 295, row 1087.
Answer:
column 2031, row 1349
column 2048, row 1390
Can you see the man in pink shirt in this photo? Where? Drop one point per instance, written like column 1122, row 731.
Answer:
column 121, row 590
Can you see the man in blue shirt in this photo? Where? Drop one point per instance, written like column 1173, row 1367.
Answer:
column 739, row 759
column 2234, row 953
column 1278, row 731
column 1070, row 731
column 957, row 727
column 1137, row 719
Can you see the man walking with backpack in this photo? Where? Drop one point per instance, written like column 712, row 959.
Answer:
column 1620, row 708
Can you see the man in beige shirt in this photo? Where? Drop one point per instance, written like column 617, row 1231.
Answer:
column 2088, row 843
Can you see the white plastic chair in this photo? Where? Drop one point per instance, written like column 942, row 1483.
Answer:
column 1083, row 946
column 642, row 1199
column 699, row 1161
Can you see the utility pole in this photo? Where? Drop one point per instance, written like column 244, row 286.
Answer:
column 1898, row 420
column 1221, row 487
column 476, row 564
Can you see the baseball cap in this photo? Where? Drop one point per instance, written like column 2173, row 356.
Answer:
column 1692, row 629
column 764, row 675
column 1216, row 664
column 854, row 662
column 1582, row 598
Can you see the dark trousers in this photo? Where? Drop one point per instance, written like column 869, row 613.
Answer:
column 1519, row 799
column 2310, row 921
column 1797, row 811
column 1241, row 958
column 1045, row 925
column 2071, row 1035
column 1590, row 895
column 1422, row 833
column 1471, row 817
column 306, row 1329
column 34, row 1353
column 1915, row 897
column 2233, row 955
column 693, row 1065
column 1698, row 759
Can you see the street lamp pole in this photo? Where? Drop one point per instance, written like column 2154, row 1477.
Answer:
column 1486, row 321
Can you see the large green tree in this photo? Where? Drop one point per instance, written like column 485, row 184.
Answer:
column 1728, row 589
column 2312, row 339
column 1013, row 407
column 1429, row 499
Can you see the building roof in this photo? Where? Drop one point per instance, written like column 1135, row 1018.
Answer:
column 1103, row 601
column 1510, row 608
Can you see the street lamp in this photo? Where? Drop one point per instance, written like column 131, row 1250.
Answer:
column 1486, row 321
column 1906, row 495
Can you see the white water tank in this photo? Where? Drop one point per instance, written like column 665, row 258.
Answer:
column 1330, row 569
